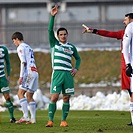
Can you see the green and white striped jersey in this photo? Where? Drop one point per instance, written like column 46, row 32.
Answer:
column 61, row 54
column 4, row 58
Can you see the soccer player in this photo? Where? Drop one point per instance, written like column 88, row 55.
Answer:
column 125, row 80
column 4, row 88
column 128, row 43
column 63, row 72
column 28, row 80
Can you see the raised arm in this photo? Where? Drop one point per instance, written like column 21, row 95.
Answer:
column 52, row 38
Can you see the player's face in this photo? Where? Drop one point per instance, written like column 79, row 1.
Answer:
column 126, row 21
column 15, row 41
column 62, row 36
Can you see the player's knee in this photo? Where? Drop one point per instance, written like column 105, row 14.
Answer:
column 7, row 99
column 66, row 98
column 21, row 94
column 54, row 98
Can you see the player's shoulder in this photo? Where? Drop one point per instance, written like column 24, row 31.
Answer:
column 70, row 44
column 23, row 45
column 3, row 47
column 130, row 25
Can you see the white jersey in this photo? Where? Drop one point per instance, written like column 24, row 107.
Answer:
column 128, row 43
column 26, row 55
column 29, row 74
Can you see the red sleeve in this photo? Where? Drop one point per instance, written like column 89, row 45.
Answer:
column 111, row 34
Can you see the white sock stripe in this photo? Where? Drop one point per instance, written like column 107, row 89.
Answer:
column 23, row 100
column 32, row 103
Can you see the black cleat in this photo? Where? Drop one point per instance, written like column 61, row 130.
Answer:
column 13, row 120
column 130, row 124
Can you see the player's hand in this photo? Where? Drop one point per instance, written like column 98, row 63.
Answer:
column 8, row 79
column 54, row 10
column 20, row 80
column 129, row 70
column 87, row 29
column 73, row 72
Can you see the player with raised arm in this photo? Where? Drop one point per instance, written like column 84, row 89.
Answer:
column 128, row 43
column 63, row 72
column 4, row 81
column 125, row 80
column 28, row 80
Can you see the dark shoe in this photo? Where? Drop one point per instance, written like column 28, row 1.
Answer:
column 130, row 124
column 13, row 120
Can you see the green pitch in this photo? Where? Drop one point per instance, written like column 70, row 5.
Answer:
column 79, row 122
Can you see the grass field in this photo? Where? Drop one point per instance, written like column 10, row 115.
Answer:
column 79, row 122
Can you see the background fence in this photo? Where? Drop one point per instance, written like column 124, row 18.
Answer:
column 37, row 35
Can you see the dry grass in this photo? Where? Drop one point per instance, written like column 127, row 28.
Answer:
column 96, row 66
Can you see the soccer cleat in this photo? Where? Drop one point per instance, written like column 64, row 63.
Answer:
column 13, row 120
column 32, row 121
column 130, row 124
column 63, row 124
column 50, row 124
column 23, row 120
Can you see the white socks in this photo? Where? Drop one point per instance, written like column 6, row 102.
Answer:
column 24, row 105
column 32, row 107
column 131, row 110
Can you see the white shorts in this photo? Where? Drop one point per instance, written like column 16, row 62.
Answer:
column 30, row 83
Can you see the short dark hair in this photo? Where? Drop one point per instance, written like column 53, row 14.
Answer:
column 130, row 15
column 61, row 29
column 18, row 35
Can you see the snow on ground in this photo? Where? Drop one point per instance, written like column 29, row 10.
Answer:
column 82, row 102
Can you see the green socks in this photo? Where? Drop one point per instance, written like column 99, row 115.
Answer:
column 51, row 110
column 10, row 107
column 65, row 110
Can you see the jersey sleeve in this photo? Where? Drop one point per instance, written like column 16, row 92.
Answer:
column 126, row 42
column 111, row 34
column 51, row 34
column 7, row 61
column 21, row 54
column 77, row 58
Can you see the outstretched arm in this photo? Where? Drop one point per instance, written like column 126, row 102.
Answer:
column 105, row 33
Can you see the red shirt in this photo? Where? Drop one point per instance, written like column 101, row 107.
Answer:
column 118, row 35
column 112, row 34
